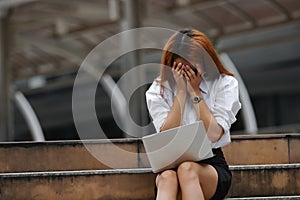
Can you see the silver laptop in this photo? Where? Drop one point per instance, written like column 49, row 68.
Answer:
column 167, row 149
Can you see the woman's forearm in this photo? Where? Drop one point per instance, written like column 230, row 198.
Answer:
column 175, row 115
column 213, row 129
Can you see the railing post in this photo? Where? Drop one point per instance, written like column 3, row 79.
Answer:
column 6, row 114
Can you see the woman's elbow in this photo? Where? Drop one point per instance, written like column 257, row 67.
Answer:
column 215, row 135
column 213, row 138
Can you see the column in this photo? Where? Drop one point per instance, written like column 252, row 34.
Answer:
column 131, row 18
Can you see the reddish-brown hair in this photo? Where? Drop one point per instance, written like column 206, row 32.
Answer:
column 176, row 41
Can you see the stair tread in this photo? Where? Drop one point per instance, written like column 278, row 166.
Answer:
column 265, row 198
column 265, row 166
column 77, row 172
column 140, row 170
column 281, row 178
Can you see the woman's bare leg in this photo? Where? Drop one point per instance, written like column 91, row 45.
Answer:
column 167, row 185
column 197, row 181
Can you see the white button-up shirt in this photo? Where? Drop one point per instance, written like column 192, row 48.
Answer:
column 220, row 95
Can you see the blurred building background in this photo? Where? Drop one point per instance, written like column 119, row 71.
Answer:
column 43, row 43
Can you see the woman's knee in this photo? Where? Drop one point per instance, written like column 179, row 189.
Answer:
column 168, row 177
column 187, row 171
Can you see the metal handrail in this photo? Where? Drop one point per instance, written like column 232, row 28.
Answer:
column 29, row 116
column 118, row 100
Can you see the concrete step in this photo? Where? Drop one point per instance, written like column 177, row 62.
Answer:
column 265, row 180
column 297, row 197
column 68, row 155
column 263, row 149
column 248, row 181
column 134, row 184
column 73, row 155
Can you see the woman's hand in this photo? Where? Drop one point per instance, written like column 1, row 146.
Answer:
column 193, row 79
column 178, row 73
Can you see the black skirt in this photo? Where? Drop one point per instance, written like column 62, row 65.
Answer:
column 224, row 174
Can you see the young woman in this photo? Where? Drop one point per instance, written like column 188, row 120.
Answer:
column 194, row 85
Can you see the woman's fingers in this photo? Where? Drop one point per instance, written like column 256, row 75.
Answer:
column 189, row 73
column 179, row 66
column 174, row 68
column 174, row 65
column 192, row 72
column 184, row 73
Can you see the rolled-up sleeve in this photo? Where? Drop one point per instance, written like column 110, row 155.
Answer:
column 226, row 104
column 158, row 106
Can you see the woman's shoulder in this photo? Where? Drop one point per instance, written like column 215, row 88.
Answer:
column 154, row 87
column 228, row 79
